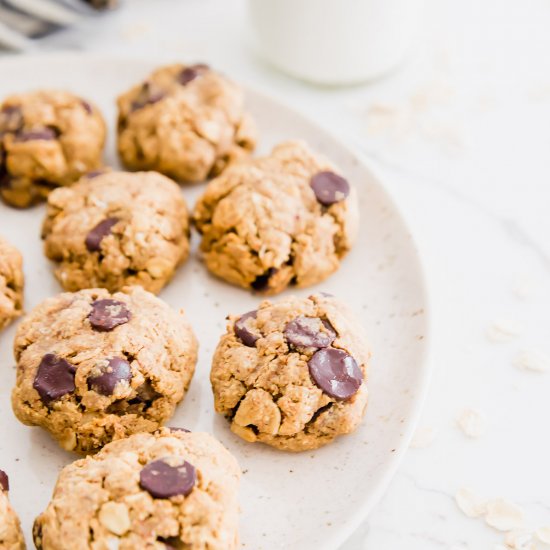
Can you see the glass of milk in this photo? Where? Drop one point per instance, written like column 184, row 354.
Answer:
column 335, row 42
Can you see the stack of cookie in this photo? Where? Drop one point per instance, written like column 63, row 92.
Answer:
column 103, row 365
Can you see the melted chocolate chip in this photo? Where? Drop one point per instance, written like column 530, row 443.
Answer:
column 108, row 314
column 98, row 233
column 329, row 187
column 190, row 73
column 54, row 378
column 335, row 372
column 87, row 107
column 262, row 281
column 242, row 330
column 306, row 332
column 94, row 174
column 116, row 370
column 147, row 96
column 43, row 134
column 37, row 534
column 4, row 481
column 162, row 480
column 11, row 118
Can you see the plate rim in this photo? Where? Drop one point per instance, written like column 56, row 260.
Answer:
column 424, row 366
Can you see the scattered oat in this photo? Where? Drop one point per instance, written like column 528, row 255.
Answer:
column 469, row 503
column 472, row 422
column 520, row 540
column 524, row 288
column 532, row 360
column 503, row 330
column 423, row 437
column 504, row 515
column 543, row 534
column 135, row 31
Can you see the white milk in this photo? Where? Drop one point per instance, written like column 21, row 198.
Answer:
column 335, row 41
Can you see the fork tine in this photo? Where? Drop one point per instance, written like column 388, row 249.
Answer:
column 14, row 40
column 46, row 10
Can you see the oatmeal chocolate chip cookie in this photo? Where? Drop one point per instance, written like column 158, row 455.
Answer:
column 116, row 229
column 93, row 367
column 11, row 283
column 186, row 121
column 47, row 139
column 287, row 218
column 11, row 536
column 169, row 490
column 292, row 374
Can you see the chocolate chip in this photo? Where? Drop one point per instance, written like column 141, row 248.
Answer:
column 94, row 174
column 306, row 332
column 243, row 331
column 54, row 378
column 148, row 95
column 87, row 107
column 162, row 480
column 262, row 281
column 43, row 134
column 37, row 534
column 116, row 370
column 98, row 233
column 11, row 118
column 329, row 187
column 108, row 314
column 173, row 429
column 335, row 372
column 4, row 481
column 190, row 73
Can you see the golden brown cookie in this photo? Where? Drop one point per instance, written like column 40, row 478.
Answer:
column 47, row 139
column 285, row 219
column 94, row 367
column 11, row 536
column 186, row 121
column 11, row 283
column 169, row 490
column 116, row 229
column 292, row 374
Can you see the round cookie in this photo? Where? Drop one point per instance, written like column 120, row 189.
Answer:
column 292, row 374
column 11, row 536
column 116, row 229
column 165, row 491
column 186, row 121
column 11, row 283
column 47, row 139
column 94, row 367
column 287, row 218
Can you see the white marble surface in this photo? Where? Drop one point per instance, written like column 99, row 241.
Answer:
column 461, row 134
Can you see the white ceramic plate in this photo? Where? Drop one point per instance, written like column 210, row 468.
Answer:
column 312, row 500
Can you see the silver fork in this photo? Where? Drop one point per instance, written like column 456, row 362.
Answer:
column 23, row 21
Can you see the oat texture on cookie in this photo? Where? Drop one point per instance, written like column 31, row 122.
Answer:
column 11, row 283
column 11, row 536
column 47, row 139
column 93, row 367
column 292, row 374
column 116, row 229
column 285, row 219
column 169, row 490
column 186, row 121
